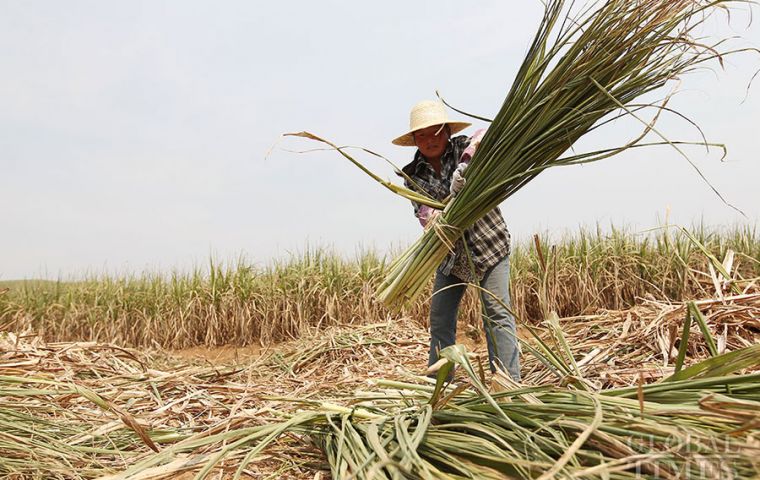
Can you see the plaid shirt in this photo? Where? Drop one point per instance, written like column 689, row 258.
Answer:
column 488, row 239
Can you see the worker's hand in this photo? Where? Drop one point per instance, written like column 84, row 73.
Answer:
column 457, row 179
column 427, row 215
column 434, row 214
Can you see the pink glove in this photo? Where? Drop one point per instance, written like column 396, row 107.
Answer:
column 425, row 214
column 469, row 152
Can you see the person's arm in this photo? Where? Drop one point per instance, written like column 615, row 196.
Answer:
column 423, row 213
column 475, row 140
column 457, row 179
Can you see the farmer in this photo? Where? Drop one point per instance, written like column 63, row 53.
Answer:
column 437, row 169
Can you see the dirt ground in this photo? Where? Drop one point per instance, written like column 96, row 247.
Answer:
column 231, row 354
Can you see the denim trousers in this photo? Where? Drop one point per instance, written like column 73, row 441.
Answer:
column 498, row 323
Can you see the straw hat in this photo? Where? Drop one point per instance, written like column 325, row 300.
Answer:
column 426, row 114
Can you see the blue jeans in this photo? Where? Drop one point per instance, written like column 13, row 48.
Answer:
column 499, row 324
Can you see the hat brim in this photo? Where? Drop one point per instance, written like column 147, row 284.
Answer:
column 407, row 139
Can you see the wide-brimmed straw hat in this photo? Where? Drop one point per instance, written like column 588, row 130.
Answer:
column 426, row 114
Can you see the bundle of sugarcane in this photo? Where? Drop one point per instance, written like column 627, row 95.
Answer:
column 580, row 73
column 699, row 423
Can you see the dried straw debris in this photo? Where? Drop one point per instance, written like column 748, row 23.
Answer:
column 84, row 410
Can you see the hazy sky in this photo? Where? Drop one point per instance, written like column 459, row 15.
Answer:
column 133, row 133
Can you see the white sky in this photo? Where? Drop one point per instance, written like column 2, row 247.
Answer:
column 133, row 134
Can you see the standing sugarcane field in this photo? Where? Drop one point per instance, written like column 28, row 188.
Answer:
column 409, row 240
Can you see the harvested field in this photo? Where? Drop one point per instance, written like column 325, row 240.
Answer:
column 85, row 409
column 267, row 365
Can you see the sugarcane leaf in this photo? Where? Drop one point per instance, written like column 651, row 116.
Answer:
column 720, row 365
column 418, row 197
column 442, row 377
column 696, row 314
column 553, row 322
column 718, row 265
column 684, row 346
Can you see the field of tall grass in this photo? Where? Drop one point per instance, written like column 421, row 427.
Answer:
column 239, row 304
